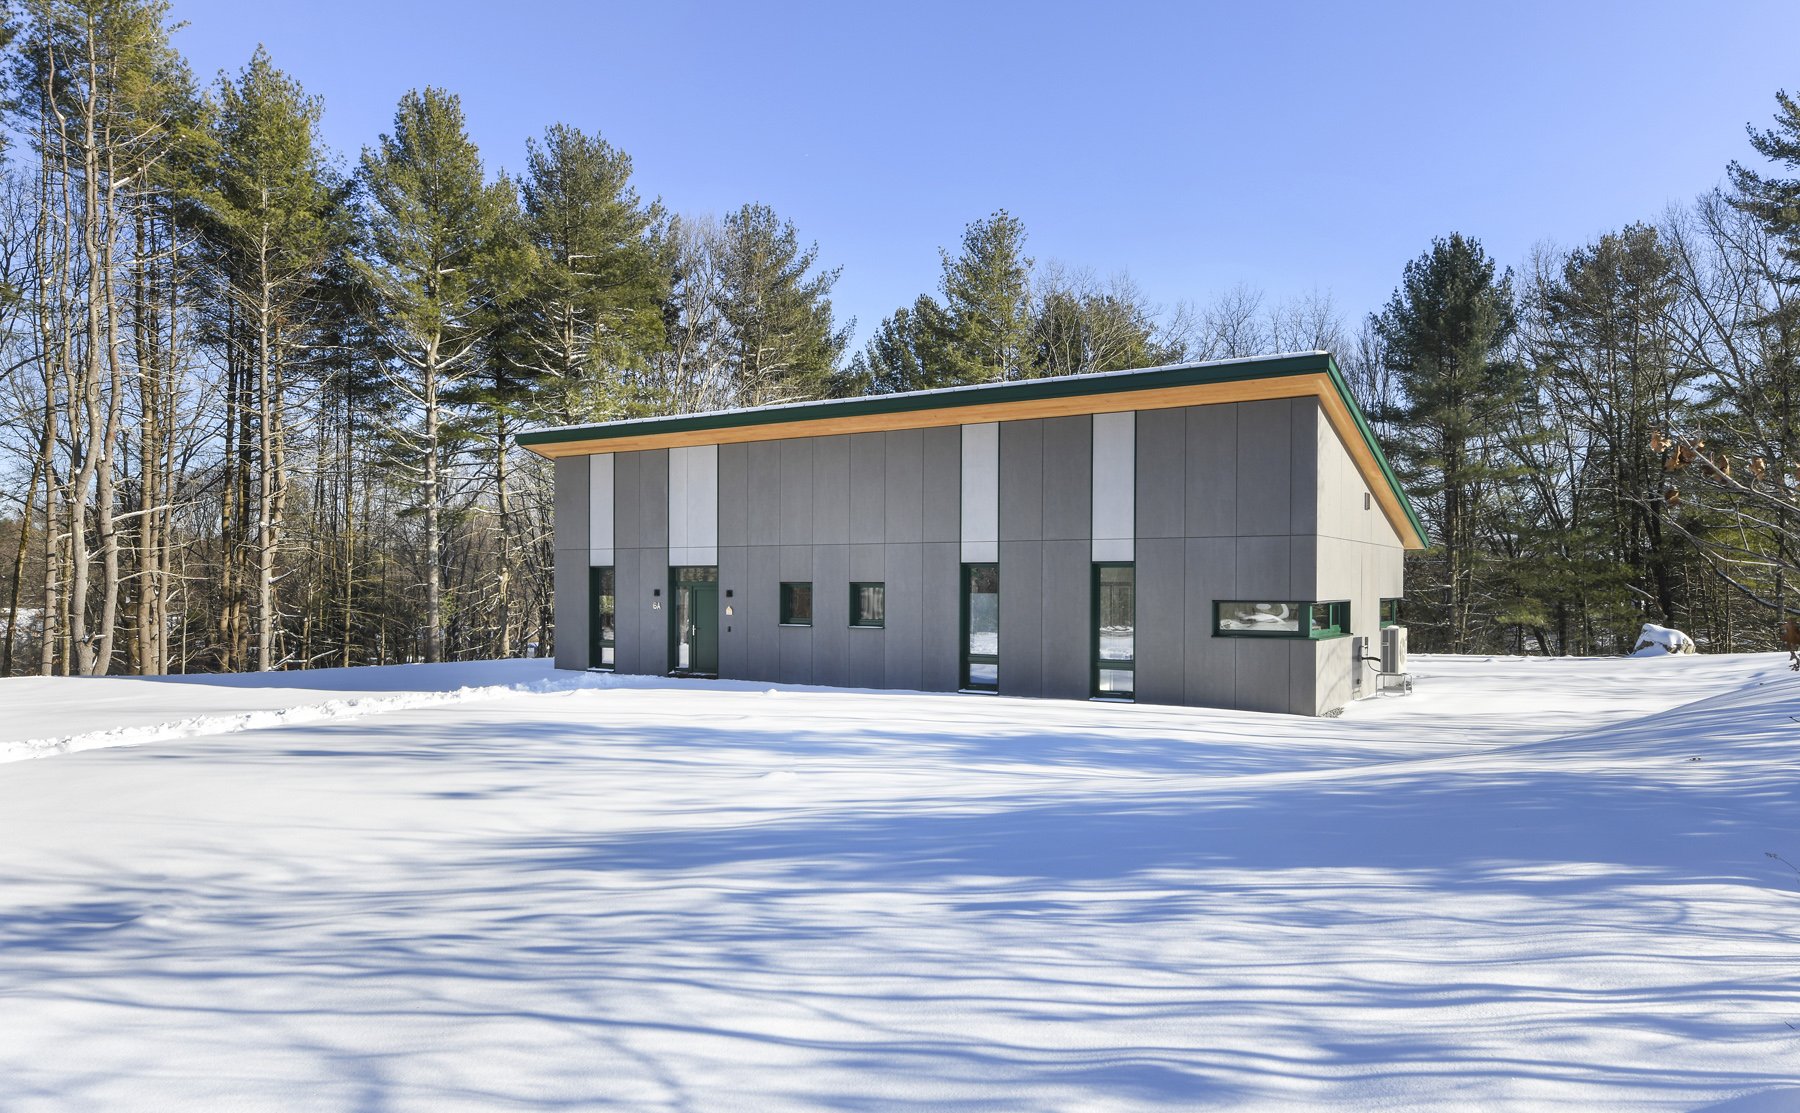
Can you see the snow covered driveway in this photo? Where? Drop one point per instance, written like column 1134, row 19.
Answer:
column 1515, row 889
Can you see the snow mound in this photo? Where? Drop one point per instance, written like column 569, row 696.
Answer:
column 301, row 713
column 1658, row 641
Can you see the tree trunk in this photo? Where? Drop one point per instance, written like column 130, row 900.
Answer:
column 265, row 464
column 504, row 508
column 434, row 576
column 18, row 573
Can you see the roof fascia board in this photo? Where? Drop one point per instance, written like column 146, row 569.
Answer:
column 1310, row 373
column 978, row 394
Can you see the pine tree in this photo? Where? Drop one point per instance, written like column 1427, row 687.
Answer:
column 1775, row 202
column 1768, row 398
column 1444, row 334
column 981, row 330
column 432, row 225
column 906, row 352
column 595, row 308
column 1606, row 355
column 104, row 99
column 776, row 306
column 987, row 303
column 355, row 406
column 1754, row 388
column 269, row 217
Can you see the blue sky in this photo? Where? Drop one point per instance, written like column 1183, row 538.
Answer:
column 1195, row 146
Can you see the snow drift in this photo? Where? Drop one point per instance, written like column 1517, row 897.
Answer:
column 1536, row 884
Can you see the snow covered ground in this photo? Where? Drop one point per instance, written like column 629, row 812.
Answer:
column 62, row 715
column 493, row 887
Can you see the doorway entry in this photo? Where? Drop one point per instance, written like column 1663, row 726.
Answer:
column 694, row 620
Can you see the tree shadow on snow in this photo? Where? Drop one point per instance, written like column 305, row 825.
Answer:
column 861, row 931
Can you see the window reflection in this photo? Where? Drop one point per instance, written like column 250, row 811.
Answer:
column 868, row 604
column 796, row 604
column 1115, row 630
column 1260, row 617
column 981, row 627
column 1118, row 613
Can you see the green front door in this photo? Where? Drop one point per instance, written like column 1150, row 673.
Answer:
column 703, row 607
column 694, row 620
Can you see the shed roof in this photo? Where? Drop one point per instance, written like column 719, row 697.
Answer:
column 1287, row 375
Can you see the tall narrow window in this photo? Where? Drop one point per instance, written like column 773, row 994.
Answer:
column 868, row 605
column 602, row 633
column 1115, row 630
column 981, row 627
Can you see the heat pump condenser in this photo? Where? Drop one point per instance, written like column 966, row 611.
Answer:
column 1393, row 649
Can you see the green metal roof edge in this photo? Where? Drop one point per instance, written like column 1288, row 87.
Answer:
column 1113, row 382
column 1369, row 438
column 985, row 393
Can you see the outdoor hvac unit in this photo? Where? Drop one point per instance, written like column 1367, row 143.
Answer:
column 1393, row 649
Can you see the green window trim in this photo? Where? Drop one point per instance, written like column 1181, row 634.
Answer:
column 1314, row 620
column 1328, row 620
column 797, row 603
column 868, row 605
column 603, row 612
column 1390, row 612
column 1111, row 677
column 985, row 574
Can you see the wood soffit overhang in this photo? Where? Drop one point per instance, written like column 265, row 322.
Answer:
column 1137, row 391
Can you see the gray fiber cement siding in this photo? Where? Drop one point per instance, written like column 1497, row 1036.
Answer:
column 1242, row 500
column 641, row 561
column 1046, row 559
column 830, row 511
column 1067, row 619
column 1229, row 507
column 940, row 649
column 571, row 562
column 1021, row 615
column 1161, row 579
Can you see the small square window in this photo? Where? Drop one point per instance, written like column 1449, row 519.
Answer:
column 868, row 604
column 1390, row 613
column 796, row 604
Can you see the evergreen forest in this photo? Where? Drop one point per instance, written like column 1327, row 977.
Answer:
column 258, row 397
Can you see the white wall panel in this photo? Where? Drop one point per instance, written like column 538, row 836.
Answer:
column 600, row 510
column 694, row 505
column 981, row 493
column 1115, row 486
column 677, row 503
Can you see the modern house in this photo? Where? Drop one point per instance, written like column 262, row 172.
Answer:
column 1219, row 534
